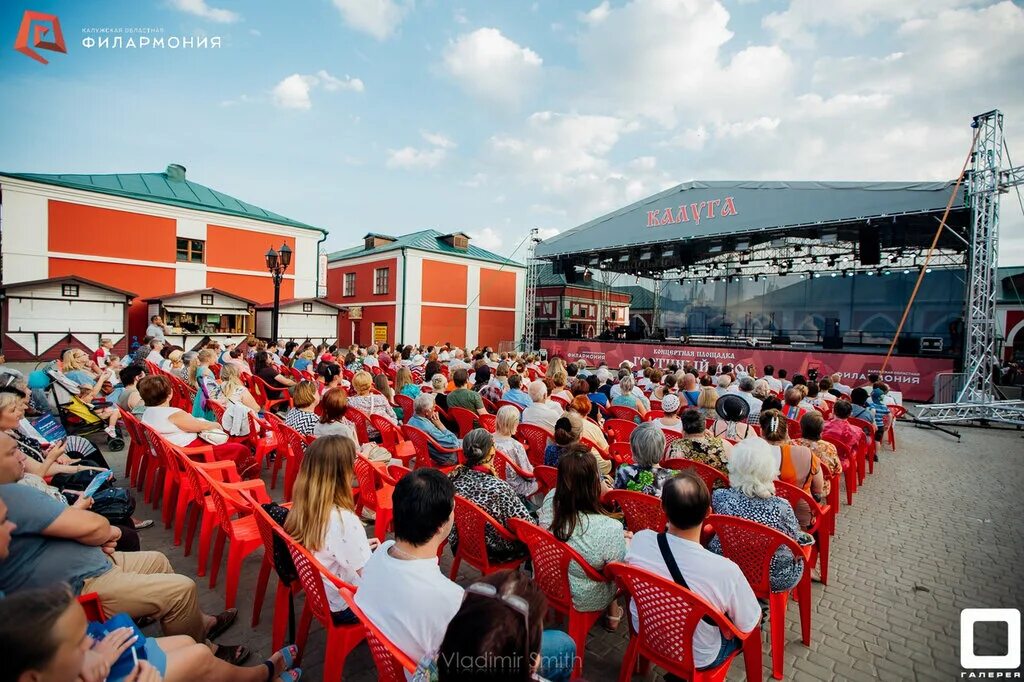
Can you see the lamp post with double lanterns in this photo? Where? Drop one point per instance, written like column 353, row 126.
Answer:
column 277, row 263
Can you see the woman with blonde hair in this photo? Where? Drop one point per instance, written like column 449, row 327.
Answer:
column 706, row 402
column 75, row 366
column 201, row 378
column 304, row 363
column 323, row 520
column 404, row 383
column 175, row 364
column 559, row 379
column 370, row 403
column 233, row 390
column 505, row 425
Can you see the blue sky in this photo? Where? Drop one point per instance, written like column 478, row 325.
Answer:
column 495, row 117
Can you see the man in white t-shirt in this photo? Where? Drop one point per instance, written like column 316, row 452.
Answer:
column 154, row 352
column 541, row 412
column 769, row 376
column 687, row 501
column 402, row 590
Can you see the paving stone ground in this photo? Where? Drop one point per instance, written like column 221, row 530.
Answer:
column 937, row 528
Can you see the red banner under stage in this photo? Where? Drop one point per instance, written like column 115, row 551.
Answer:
column 913, row 376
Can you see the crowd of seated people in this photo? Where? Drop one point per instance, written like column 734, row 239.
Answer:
column 729, row 419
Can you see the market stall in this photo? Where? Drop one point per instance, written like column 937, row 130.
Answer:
column 193, row 317
column 301, row 319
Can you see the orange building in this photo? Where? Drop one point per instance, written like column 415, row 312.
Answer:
column 427, row 287
column 149, row 233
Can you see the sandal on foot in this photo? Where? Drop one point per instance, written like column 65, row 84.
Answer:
column 225, row 620
column 289, row 674
column 235, row 654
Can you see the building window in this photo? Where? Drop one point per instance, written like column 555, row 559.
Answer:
column 349, row 288
column 69, row 290
column 206, row 299
column 380, row 280
column 307, row 307
column 191, row 250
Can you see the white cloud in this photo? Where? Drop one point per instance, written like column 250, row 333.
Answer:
column 411, row 158
column 740, row 128
column 490, row 66
column 255, row 32
column 547, row 232
column 478, row 180
column 438, row 140
column 199, row 8
column 798, row 21
column 378, row 18
column 487, row 238
column 294, row 91
column 596, row 15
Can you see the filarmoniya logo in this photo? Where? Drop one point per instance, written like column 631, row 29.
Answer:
column 39, row 31
column 1002, row 667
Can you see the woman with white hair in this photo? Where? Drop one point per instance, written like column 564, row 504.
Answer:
column 647, row 442
column 751, row 495
column 505, row 424
column 627, row 398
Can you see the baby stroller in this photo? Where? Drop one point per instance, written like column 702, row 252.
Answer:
column 76, row 416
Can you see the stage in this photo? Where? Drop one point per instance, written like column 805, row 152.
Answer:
column 912, row 375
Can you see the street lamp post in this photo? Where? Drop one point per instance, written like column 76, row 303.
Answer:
column 277, row 263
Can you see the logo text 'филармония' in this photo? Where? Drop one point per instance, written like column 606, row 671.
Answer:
column 39, row 31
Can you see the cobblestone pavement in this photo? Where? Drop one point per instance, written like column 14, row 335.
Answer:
column 937, row 528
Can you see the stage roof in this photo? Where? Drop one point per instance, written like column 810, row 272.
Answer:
column 710, row 220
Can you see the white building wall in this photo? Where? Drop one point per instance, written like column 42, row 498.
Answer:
column 413, row 299
column 473, row 309
column 24, row 221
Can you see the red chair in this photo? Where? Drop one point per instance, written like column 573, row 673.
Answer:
column 289, row 456
column 620, row 453
column 751, row 546
column 822, row 523
column 266, row 525
column 586, row 442
column 547, row 477
column 472, row 523
column 846, row 454
column 551, row 559
column 793, row 427
column 667, row 616
column 265, row 395
column 535, row 440
column 504, row 466
column 624, row 412
column 360, row 421
column 199, row 494
column 406, row 403
column 489, row 406
column 392, row 663
column 92, row 606
column 897, row 412
column 341, row 639
column 172, row 501
column 466, row 419
column 135, row 460
column 640, row 510
column 871, row 449
column 502, row 403
column 423, row 442
column 488, row 422
column 670, row 437
column 561, row 401
column 392, row 439
column 237, row 525
column 375, row 495
column 395, row 474
column 652, row 414
column 711, row 475
column 619, row 430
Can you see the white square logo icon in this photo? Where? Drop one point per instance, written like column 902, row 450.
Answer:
column 971, row 661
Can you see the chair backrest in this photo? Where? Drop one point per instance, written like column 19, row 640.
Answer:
column 640, row 510
column 795, row 496
column 92, row 606
column 225, row 504
column 311, row 576
column 619, row 430
column 793, row 427
column 547, row 476
column 466, row 419
column 710, row 474
column 586, row 442
column 502, row 403
column 422, row 442
column 489, row 406
column 504, row 466
column 367, row 477
column 293, row 440
column 390, row 435
column 667, row 615
column 751, row 546
column 360, row 421
column 392, row 663
column 670, row 437
column 620, row 453
column 551, row 559
column 406, row 403
column 472, row 521
column 535, row 440
column 843, row 448
column 625, row 412
column 863, row 424
column 264, row 524
column 489, row 422
column 561, row 401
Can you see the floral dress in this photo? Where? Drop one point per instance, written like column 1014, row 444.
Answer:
column 649, row 480
column 497, row 498
column 827, row 456
column 708, row 450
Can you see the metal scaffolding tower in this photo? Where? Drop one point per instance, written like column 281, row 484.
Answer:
column 986, row 181
column 532, row 277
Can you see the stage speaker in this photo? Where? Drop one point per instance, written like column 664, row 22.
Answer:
column 908, row 345
column 870, row 245
column 781, row 341
column 832, row 342
column 566, row 333
column 831, row 327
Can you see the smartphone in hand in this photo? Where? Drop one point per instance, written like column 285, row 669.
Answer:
column 97, row 483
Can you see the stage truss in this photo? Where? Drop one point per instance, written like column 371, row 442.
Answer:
column 533, row 266
column 987, row 179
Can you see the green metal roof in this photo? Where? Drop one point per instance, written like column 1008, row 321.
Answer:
column 547, row 278
column 162, row 188
column 424, row 240
column 639, row 297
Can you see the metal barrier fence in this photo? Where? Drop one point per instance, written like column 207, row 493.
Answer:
column 947, row 387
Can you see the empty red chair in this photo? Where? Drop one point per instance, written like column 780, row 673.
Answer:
column 710, row 474
column 551, row 559
column 640, row 510
column 392, row 663
column 466, row 419
column 373, row 494
column 624, row 412
column 198, row 489
column 535, row 440
column 341, row 639
column 423, row 442
column 822, row 524
column 290, row 456
column 391, row 438
column 667, row 617
column 472, row 522
column 619, row 430
column 897, row 412
column 406, row 403
column 135, row 460
column 751, row 546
